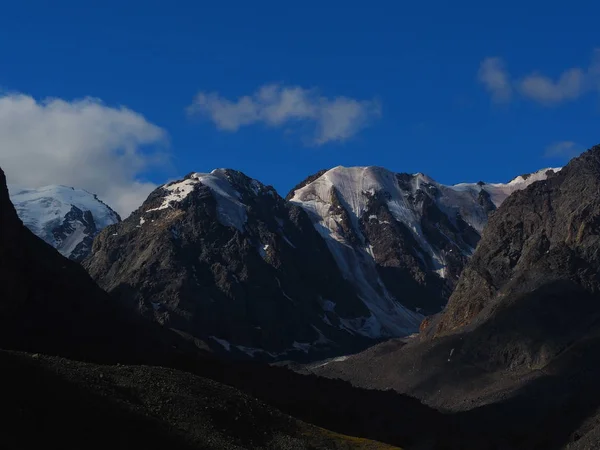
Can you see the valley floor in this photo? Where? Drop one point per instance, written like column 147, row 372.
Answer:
column 50, row 401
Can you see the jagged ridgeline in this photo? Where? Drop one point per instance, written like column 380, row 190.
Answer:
column 518, row 343
column 353, row 256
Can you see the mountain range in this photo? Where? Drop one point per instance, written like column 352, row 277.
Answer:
column 351, row 256
column 521, row 328
column 80, row 369
column 511, row 362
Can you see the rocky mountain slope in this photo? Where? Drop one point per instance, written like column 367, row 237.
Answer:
column 64, row 217
column 355, row 255
column 521, row 331
column 401, row 239
column 50, row 401
column 225, row 259
column 50, row 306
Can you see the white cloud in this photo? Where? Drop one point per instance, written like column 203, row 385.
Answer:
column 569, row 85
column 82, row 143
column 335, row 119
column 493, row 75
column 563, row 149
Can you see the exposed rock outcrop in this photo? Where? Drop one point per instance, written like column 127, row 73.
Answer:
column 223, row 258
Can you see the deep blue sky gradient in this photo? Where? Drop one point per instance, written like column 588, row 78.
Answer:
column 420, row 59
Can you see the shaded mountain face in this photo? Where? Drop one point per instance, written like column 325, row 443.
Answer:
column 518, row 343
column 49, row 303
column 401, row 239
column 355, row 255
column 540, row 259
column 64, row 217
column 50, row 306
column 223, row 258
column 54, row 402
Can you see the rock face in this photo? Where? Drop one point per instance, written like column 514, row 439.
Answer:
column 540, row 259
column 50, row 304
column 520, row 337
column 401, row 239
column 355, row 255
column 222, row 257
column 64, row 217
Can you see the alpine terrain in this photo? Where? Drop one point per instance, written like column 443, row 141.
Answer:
column 223, row 258
column 401, row 239
column 130, row 383
column 519, row 340
column 64, row 217
column 355, row 255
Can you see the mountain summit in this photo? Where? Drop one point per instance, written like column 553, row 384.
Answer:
column 223, row 258
column 64, row 217
column 401, row 238
column 521, row 331
column 355, row 255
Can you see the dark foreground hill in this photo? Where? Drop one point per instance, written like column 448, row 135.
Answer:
column 50, row 306
column 59, row 403
column 518, row 344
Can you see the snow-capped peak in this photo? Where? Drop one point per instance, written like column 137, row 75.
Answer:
column 445, row 223
column 351, row 183
column 225, row 185
column 533, row 177
column 65, row 217
column 500, row 191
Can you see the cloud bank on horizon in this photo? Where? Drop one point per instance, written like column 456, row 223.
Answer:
column 570, row 85
column 80, row 143
column 334, row 119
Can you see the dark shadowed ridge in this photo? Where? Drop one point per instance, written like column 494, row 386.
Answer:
column 257, row 286
column 50, row 306
column 517, row 348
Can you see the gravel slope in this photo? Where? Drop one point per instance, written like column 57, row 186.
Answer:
column 49, row 401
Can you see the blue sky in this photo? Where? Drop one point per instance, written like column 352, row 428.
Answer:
column 462, row 91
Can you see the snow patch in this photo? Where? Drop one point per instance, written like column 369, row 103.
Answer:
column 288, row 241
column 44, row 209
column 302, row 346
column 262, row 250
column 333, row 360
column 283, row 292
column 176, row 192
column 68, row 245
column 251, row 351
column 230, row 210
column 226, row 345
column 256, row 187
